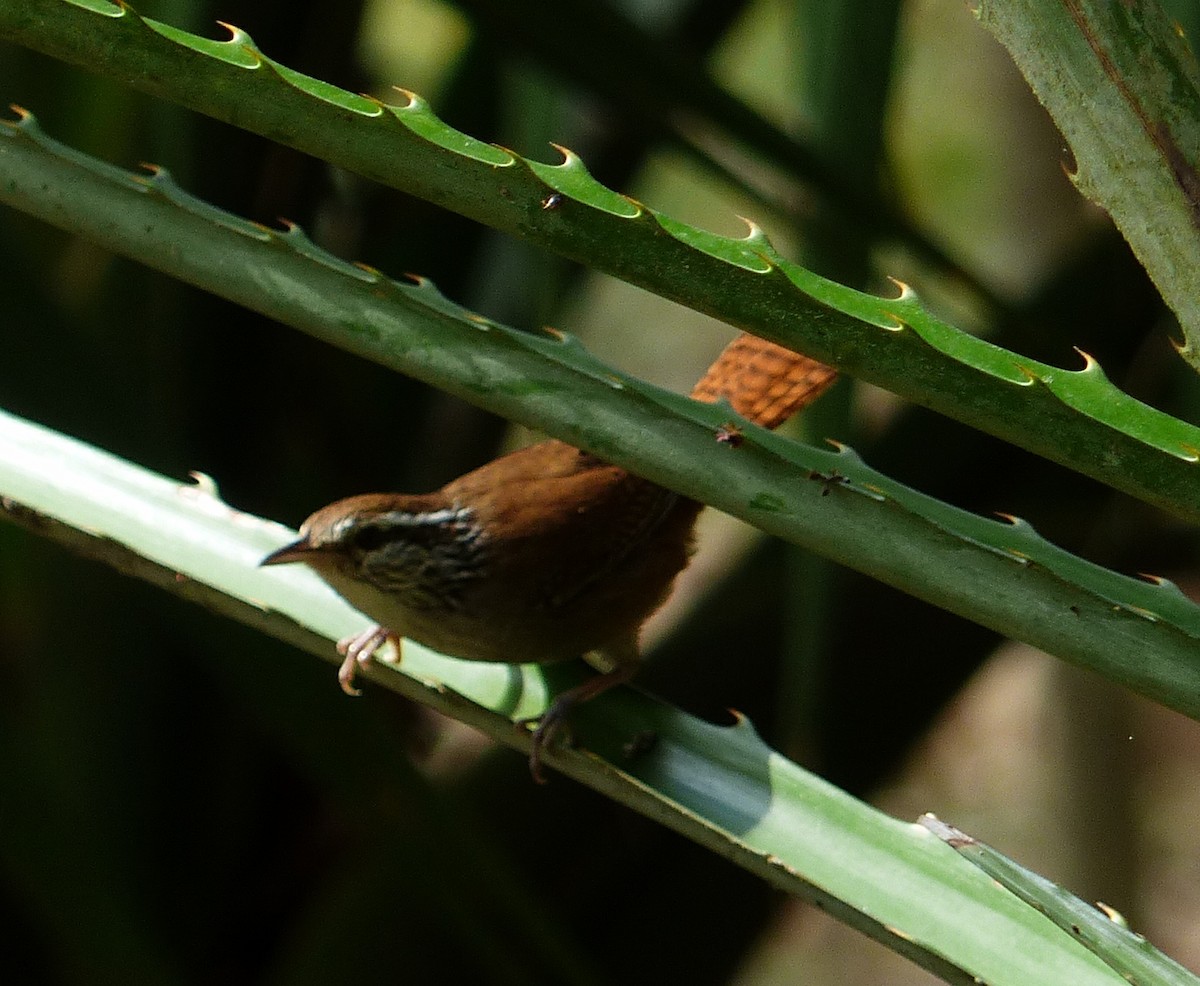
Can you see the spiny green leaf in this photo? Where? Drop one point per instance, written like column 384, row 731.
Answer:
column 1102, row 932
column 1075, row 418
column 718, row 785
column 1124, row 88
column 999, row 573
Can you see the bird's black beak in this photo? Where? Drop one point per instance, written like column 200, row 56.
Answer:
column 295, row 551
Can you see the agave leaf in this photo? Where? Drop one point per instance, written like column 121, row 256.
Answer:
column 594, row 43
column 1124, row 88
column 999, row 573
column 1099, row 928
column 1076, row 418
column 718, row 785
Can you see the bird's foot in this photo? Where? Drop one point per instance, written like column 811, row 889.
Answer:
column 545, row 727
column 357, row 650
column 555, row 718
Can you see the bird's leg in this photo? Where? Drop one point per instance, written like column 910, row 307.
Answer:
column 358, row 649
column 550, row 722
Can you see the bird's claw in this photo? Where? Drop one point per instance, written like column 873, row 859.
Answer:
column 357, row 650
column 545, row 727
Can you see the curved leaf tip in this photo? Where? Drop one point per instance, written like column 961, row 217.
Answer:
column 755, row 233
column 907, row 292
column 239, row 37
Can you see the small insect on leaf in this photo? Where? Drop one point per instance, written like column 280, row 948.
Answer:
column 552, row 201
column 730, row 434
column 829, row 480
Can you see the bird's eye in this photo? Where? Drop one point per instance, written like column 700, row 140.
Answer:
column 369, row 537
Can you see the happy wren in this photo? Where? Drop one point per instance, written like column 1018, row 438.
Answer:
column 544, row 554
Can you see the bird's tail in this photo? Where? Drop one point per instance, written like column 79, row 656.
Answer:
column 762, row 381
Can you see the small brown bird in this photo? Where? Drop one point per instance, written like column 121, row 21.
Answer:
column 544, row 554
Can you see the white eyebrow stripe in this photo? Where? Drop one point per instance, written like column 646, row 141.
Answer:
column 447, row 515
